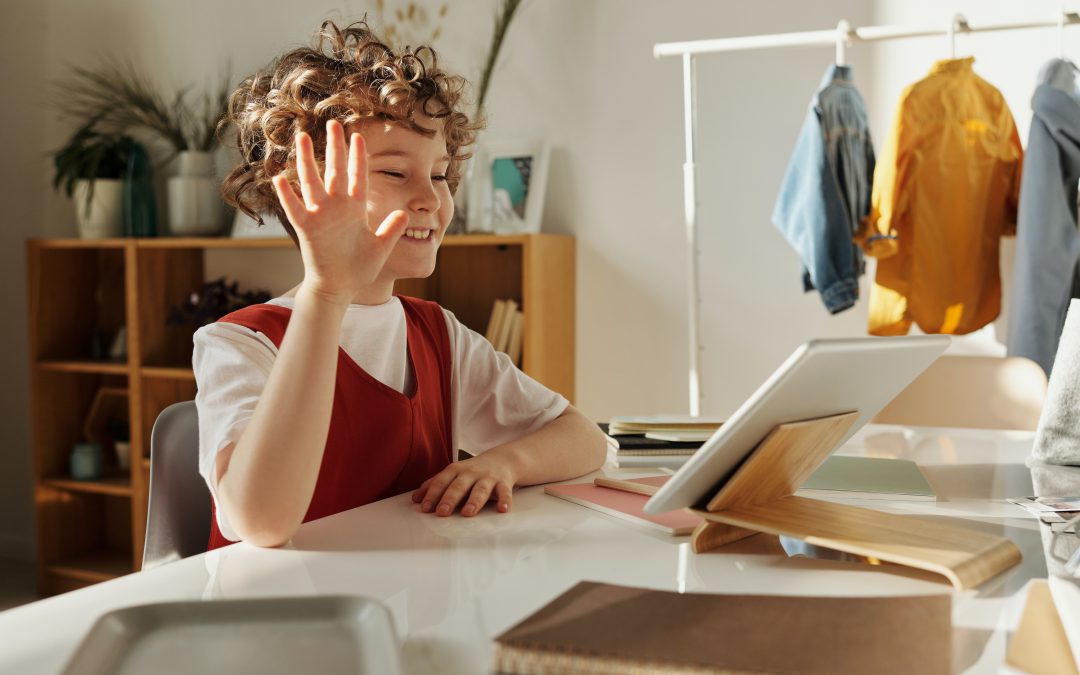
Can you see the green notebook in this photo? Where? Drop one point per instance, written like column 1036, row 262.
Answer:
column 869, row 478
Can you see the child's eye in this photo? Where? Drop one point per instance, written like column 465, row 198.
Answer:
column 439, row 178
column 393, row 174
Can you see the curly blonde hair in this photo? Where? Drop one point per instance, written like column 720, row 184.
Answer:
column 348, row 74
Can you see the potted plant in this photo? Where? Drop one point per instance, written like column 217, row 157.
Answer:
column 476, row 199
column 125, row 99
column 90, row 167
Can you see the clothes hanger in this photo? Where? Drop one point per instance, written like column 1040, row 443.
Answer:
column 843, row 39
column 958, row 23
column 1062, row 18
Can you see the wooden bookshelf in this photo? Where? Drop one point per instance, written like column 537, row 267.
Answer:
column 91, row 531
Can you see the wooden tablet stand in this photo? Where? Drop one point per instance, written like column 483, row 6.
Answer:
column 759, row 497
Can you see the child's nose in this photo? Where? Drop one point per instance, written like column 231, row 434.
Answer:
column 424, row 199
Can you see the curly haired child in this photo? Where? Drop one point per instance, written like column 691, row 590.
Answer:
column 357, row 149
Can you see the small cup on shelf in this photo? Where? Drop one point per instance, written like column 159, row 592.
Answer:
column 123, row 454
column 87, row 462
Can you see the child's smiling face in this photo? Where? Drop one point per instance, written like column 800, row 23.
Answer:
column 407, row 172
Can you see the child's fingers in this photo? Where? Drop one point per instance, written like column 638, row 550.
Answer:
column 418, row 493
column 335, row 179
column 393, row 227
column 308, row 171
column 453, row 495
column 293, row 205
column 479, row 496
column 504, row 497
column 358, row 168
column 435, row 487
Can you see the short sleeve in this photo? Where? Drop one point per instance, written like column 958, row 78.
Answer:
column 495, row 402
column 232, row 365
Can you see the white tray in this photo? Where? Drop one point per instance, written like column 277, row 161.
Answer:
column 323, row 634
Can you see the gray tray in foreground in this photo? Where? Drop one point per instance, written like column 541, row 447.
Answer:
column 323, row 634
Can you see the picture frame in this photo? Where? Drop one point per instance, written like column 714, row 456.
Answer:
column 507, row 186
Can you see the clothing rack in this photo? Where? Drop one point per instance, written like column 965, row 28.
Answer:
column 840, row 37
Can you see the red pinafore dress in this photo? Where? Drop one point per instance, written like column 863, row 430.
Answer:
column 381, row 441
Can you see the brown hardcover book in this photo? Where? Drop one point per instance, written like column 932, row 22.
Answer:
column 495, row 321
column 513, row 348
column 506, row 322
column 604, row 628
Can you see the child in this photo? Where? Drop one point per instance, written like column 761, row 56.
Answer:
column 357, row 150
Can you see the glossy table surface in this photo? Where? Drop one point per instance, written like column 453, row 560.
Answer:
column 452, row 584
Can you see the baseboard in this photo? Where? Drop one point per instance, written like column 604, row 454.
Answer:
column 15, row 547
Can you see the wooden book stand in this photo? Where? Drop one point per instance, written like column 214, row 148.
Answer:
column 759, row 497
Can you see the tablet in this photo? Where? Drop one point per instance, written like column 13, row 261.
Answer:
column 822, row 378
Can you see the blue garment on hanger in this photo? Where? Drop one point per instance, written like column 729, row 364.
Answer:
column 826, row 190
column 1047, row 241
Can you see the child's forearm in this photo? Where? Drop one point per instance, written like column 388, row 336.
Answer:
column 271, row 475
column 569, row 446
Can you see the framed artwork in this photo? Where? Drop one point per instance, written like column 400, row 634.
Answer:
column 507, row 185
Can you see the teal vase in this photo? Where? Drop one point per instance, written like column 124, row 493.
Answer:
column 140, row 208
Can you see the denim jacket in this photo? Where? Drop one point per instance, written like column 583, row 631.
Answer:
column 826, row 190
column 1047, row 241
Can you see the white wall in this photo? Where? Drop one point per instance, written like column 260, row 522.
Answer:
column 580, row 73
column 627, row 213
column 23, row 191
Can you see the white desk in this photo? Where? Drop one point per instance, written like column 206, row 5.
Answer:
column 454, row 583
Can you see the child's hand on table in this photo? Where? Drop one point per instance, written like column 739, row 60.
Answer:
column 341, row 251
column 476, row 481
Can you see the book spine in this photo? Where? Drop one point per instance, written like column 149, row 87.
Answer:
column 655, row 452
column 502, row 339
column 495, row 321
column 650, row 461
column 513, row 349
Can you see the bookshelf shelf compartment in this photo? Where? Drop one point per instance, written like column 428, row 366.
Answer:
column 83, row 537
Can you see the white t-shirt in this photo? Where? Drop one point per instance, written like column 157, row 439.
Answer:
column 492, row 401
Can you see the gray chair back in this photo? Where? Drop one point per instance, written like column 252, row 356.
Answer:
column 178, row 517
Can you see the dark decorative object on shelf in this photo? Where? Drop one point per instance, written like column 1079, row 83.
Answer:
column 214, row 300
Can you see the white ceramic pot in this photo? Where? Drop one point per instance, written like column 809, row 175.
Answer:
column 194, row 206
column 194, row 199
column 103, row 217
column 194, row 163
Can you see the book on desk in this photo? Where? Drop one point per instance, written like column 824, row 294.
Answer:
column 599, row 627
column 838, row 477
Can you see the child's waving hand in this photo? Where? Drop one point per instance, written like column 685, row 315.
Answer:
column 342, row 252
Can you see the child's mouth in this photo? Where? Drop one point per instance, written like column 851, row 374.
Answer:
column 419, row 236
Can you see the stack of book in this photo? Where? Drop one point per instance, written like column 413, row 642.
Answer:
column 663, row 441
column 505, row 328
